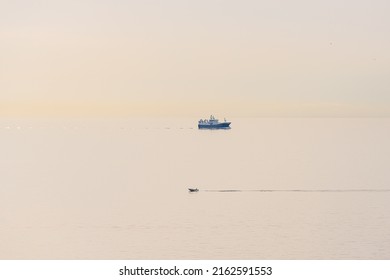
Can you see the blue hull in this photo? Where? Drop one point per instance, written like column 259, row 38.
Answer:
column 225, row 125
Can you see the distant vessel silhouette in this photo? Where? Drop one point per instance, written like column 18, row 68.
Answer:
column 213, row 123
column 193, row 190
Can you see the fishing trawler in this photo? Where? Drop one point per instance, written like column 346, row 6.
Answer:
column 213, row 123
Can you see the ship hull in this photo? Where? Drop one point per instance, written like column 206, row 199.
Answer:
column 224, row 125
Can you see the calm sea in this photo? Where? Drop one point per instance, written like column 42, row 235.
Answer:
column 269, row 189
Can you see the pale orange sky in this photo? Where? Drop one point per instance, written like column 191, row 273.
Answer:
column 190, row 58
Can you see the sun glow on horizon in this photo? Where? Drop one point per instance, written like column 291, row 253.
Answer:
column 188, row 58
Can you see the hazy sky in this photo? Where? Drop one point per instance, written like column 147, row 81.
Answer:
column 191, row 58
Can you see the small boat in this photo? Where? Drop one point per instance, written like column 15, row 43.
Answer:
column 192, row 190
column 213, row 123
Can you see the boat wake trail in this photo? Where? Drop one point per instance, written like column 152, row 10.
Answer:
column 304, row 190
